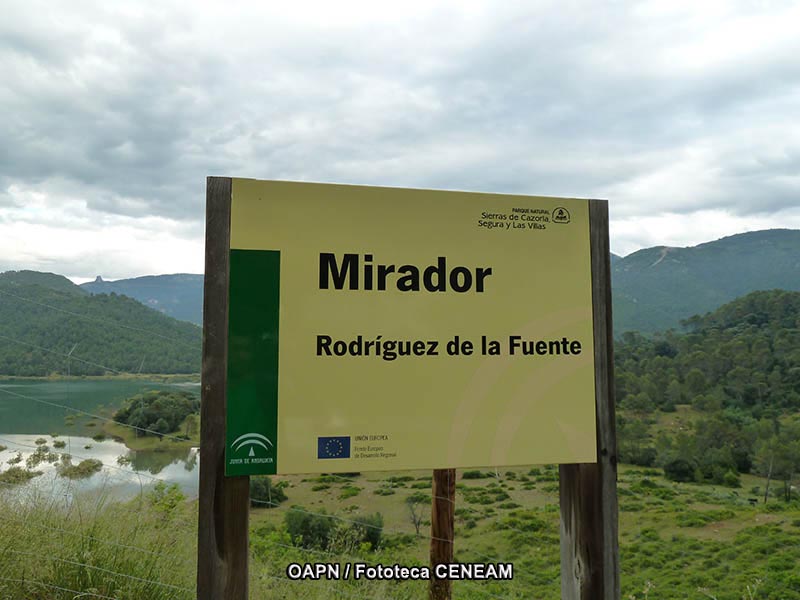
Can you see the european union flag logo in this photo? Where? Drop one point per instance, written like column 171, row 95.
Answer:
column 333, row 447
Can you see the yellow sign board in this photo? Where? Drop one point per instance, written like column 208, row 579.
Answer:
column 381, row 328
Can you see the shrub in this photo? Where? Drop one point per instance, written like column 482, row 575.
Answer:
column 309, row 530
column 679, row 469
column 349, row 491
column 474, row 475
column 695, row 518
column 399, row 479
column 731, row 479
column 165, row 499
column 263, row 494
column 370, row 528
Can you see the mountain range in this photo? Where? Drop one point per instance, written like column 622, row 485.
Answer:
column 653, row 289
column 179, row 296
column 657, row 288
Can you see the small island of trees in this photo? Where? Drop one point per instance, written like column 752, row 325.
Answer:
column 159, row 412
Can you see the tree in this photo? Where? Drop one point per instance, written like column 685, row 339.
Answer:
column 640, row 403
column 191, row 425
column 634, row 442
column 415, row 503
column 161, row 426
column 778, row 455
column 696, row 381
column 674, row 395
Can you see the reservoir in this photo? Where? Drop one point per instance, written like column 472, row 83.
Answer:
column 32, row 416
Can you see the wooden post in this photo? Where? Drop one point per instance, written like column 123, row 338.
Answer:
column 222, row 537
column 589, row 514
column 443, row 513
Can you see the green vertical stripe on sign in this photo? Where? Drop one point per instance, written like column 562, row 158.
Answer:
column 251, row 430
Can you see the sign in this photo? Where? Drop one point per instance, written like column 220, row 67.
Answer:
column 382, row 328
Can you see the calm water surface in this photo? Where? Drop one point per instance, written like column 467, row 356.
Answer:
column 23, row 421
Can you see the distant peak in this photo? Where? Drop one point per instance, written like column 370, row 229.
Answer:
column 99, row 279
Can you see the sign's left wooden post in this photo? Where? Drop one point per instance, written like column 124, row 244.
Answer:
column 222, row 536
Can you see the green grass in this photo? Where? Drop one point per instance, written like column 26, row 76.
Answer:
column 676, row 540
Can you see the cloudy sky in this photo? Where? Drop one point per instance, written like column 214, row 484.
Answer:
column 685, row 115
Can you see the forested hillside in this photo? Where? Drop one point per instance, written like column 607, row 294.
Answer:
column 734, row 380
column 44, row 317
column 655, row 288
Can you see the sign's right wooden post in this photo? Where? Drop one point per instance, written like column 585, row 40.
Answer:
column 588, row 492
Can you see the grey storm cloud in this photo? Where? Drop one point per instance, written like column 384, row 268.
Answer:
column 577, row 100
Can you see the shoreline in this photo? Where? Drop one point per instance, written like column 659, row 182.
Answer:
column 119, row 432
column 154, row 377
column 147, row 443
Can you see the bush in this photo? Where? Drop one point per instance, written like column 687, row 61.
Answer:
column 679, row 469
column 696, row 518
column 399, row 479
column 263, row 494
column 731, row 479
column 644, row 456
column 370, row 528
column 309, row 530
column 165, row 499
column 475, row 475
column 349, row 491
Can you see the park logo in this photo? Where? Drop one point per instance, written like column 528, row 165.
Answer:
column 561, row 215
column 251, row 440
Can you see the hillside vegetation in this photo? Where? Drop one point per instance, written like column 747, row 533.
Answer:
column 44, row 316
column 655, row 288
column 735, row 376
